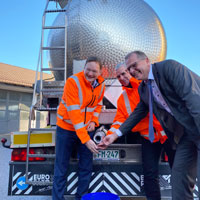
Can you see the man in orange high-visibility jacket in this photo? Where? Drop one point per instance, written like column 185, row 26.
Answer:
column 151, row 152
column 77, row 117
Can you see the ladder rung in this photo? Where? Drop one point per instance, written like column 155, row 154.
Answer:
column 53, row 27
column 39, row 183
column 53, row 48
column 53, row 95
column 53, row 83
column 57, row 10
column 52, row 90
column 53, row 69
column 46, row 109
column 43, row 129
column 41, row 155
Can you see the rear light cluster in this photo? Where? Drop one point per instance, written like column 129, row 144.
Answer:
column 164, row 157
column 20, row 154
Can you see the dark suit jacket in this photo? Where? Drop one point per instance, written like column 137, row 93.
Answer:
column 180, row 88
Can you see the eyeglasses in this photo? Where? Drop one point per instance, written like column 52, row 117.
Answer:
column 134, row 65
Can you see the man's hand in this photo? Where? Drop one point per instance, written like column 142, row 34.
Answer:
column 91, row 146
column 102, row 146
column 91, row 127
column 107, row 140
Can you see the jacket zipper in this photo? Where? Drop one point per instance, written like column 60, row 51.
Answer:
column 92, row 101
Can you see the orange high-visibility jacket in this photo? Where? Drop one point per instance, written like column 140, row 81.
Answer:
column 80, row 105
column 126, row 103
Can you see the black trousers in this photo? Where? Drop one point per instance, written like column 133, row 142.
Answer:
column 151, row 153
column 185, row 168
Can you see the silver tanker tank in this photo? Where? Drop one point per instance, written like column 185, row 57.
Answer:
column 108, row 29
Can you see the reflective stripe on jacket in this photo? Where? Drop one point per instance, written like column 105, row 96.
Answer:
column 80, row 105
column 126, row 103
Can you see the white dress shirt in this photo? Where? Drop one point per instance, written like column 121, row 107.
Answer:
column 156, row 92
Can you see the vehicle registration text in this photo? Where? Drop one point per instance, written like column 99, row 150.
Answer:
column 107, row 154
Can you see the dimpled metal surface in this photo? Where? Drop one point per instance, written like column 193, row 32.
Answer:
column 108, row 29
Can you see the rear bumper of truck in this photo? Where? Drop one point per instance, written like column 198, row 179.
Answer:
column 122, row 178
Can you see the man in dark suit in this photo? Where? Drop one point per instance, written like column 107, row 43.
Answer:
column 176, row 104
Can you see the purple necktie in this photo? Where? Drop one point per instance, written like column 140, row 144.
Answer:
column 151, row 130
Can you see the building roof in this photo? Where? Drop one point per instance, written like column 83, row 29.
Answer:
column 19, row 76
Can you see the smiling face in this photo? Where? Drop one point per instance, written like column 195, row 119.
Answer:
column 123, row 75
column 138, row 68
column 92, row 71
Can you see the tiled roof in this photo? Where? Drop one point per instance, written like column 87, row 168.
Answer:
column 19, row 76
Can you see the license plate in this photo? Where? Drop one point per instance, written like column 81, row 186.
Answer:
column 107, row 155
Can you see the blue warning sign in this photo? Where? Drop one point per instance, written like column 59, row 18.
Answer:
column 21, row 183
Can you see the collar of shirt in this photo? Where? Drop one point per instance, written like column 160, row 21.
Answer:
column 95, row 84
column 150, row 76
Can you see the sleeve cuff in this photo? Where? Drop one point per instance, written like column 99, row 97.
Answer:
column 119, row 133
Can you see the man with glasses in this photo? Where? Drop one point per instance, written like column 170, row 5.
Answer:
column 176, row 104
column 77, row 117
column 151, row 152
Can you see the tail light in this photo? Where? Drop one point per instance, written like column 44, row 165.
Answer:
column 39, row 151
column 164, row 157
column 20, row 155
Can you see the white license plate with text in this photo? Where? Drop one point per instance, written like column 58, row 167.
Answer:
column 107, row 155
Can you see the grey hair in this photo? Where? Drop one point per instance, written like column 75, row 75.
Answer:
column 119, row 65
column 140, row 54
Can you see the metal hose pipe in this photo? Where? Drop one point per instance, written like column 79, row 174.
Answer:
column 99, row 134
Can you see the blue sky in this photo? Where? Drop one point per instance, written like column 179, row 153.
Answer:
column 21, row 21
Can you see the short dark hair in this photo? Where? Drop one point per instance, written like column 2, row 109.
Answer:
column 94, row 59
column 140, row 54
